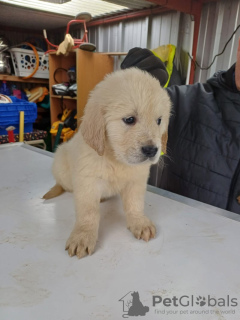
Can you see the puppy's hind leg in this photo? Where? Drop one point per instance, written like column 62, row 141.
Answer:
column 61, row 172
column 54, row 192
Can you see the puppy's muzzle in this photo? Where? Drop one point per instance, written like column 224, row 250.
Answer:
column 149, row 151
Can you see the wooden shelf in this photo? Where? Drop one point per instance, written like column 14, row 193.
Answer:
column 19, row 79
column 114, row 53
column 91, row 68
column 64, row 97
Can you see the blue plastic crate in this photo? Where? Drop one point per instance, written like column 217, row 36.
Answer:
column 12, row 120
column 9, row 115
column 28, row 127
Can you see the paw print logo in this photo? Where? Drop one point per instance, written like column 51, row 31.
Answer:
column 201, row 301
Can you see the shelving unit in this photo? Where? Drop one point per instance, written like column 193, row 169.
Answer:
column 7, row 77
column 64, row 97
column 91, row 67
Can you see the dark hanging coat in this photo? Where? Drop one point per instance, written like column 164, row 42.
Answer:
column 203, row 161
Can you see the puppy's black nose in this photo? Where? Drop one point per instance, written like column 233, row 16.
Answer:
column 149, row 151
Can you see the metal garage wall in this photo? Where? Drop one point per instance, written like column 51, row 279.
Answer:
column 149, row 32
column 164, row 29
column 120, row 36
column 218, row 22
column 219, row 19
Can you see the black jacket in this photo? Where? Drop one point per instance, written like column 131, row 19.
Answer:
column 203, row 161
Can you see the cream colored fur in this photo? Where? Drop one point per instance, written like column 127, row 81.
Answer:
column 105, row 156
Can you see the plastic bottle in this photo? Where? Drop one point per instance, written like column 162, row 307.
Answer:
column 4, row 89
column 16, row 92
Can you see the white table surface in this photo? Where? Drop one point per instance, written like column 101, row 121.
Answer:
column 195, row 253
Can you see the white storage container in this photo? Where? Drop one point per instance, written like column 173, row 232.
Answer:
column 24, row 62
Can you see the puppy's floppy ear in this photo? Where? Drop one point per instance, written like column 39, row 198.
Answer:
column 93, row 127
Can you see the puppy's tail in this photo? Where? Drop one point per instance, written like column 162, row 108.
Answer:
column 54, row 192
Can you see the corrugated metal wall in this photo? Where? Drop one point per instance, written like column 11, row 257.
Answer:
column 163, row 29
column 149, row 32
column 145, row 32
column 218, row 22
column 219, row 19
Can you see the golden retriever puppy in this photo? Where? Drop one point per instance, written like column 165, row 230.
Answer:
column 118, row 140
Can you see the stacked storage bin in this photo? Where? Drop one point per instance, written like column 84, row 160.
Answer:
column 9, row 115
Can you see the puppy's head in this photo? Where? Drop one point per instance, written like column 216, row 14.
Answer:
column 128, row 111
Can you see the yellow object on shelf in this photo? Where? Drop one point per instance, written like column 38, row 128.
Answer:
column 54, row 128
column 68, row 135
column 36, row 94
column 21, row 126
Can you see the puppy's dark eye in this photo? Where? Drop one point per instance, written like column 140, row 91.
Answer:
column 130, row 120
column 159, row 121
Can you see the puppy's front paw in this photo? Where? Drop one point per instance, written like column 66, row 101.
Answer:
column 81, row 243
column 142, row 228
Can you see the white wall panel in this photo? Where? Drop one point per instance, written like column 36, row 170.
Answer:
column 164, row 29
column 218, row 22
column 135, row 34
column 183, row 44
column 148, row 32
column 145, row 32
column 219, row 19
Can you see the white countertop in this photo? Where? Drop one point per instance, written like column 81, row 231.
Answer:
column 195, row 254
